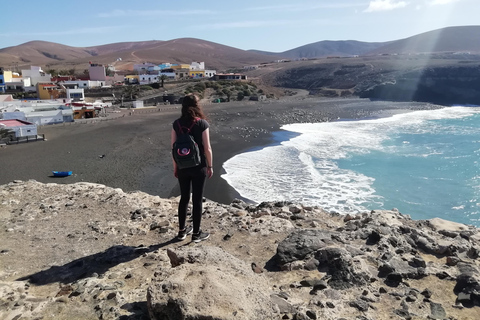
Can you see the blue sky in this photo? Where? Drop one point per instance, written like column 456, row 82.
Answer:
column 267, row 25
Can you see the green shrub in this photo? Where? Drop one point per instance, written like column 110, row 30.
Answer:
column 200, row 87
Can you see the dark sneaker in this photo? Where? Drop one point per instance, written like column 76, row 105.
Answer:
column 197, row 237
column 183, row 233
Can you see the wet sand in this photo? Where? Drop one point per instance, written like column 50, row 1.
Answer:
column 133, row 152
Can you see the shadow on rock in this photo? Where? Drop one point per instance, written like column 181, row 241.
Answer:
column 89, row 266
column 138, row 310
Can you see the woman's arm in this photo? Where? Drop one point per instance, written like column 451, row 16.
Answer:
column 207, row 149
column 174, row 138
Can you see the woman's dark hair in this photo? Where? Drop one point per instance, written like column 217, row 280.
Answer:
column 191, row 108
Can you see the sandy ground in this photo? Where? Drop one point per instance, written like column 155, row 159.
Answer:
column 133, row 152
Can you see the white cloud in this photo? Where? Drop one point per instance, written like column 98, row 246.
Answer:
column 385, row 5
column 441, row 2
column 304, row 7
column 96, row 30
column 151, row 13
column 245, row 24
column 265, row 23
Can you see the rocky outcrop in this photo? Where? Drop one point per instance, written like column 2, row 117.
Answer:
column 92, row 252
column 209, row 283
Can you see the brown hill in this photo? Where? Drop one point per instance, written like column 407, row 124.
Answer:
column 184, row 50
column 327, row 48
column 39, row 53
column 125, row 54
column 120, row 46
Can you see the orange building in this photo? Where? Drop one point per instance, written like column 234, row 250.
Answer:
column 47, row 91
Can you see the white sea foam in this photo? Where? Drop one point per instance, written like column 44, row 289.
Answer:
column 304, row 169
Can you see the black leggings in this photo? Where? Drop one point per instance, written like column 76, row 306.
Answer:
column 194, row 177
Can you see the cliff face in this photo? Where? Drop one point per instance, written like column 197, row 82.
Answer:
column 441, row 85
column 87, row 251
column 440, row 81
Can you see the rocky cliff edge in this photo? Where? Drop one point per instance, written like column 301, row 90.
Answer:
column 87, row 251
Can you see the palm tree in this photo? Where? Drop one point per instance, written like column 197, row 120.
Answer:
column 5, row 134
column 52, row 72
column 130, row 91
column 163, row 77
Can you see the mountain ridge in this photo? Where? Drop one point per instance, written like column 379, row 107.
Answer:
column 123, row 55
column 325, row 48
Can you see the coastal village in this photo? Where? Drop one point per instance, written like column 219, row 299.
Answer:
column 60, row 99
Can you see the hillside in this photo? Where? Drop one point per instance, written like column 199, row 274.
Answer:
column 452, row 39
column 439, row 78
column 327, row 48
column 185, row 50
column 124, row 55
column 40, row 53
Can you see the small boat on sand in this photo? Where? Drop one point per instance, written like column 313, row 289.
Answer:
column 62, row 173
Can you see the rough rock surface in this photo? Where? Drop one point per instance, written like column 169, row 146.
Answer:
column 208, row 282
column 87, row 251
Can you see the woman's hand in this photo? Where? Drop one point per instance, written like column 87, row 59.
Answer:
column 175, row 171
column 209, row 172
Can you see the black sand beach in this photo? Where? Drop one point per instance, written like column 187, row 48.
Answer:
column 133, row 152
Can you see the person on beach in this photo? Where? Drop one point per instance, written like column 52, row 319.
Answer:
column 193, row 178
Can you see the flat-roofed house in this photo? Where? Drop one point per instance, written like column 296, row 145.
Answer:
column 36, row 75
column 210, row 73
column 20, row 128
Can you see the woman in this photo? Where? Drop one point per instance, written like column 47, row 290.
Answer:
column 193, row 119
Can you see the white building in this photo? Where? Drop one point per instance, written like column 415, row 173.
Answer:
column 36, row 74
column 148, row 78
column 38, row 112
column 143, row 67
column 21, row 128
column 5, row 99
column 76, row 94
column 43, row 117
column 19, row 83
column 197, row 66
column 84, row 84
column 210, row 73
column 137, row 104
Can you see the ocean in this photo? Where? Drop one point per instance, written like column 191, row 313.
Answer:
column 423, row 163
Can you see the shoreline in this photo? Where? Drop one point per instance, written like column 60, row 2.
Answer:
column 136, row 148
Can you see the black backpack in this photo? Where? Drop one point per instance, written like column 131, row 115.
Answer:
column 185, row 150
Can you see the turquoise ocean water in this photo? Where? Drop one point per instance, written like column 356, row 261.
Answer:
column 424, row 163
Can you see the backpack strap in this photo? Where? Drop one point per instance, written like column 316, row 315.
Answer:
column 179, row 126
column 190, row 128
